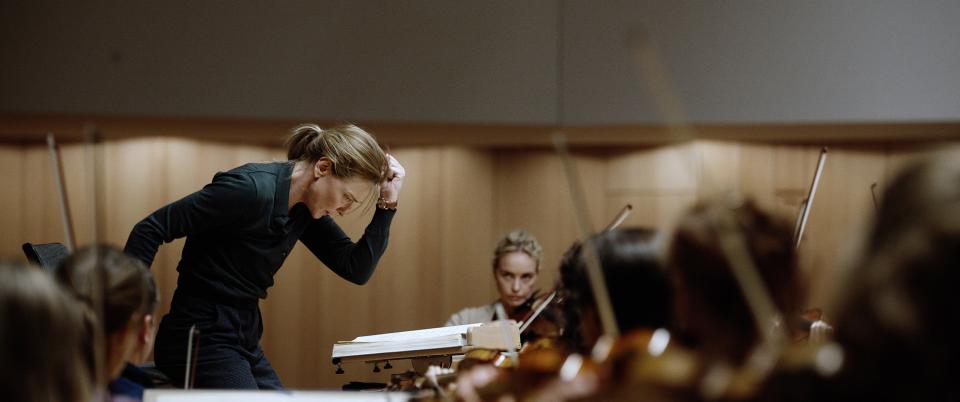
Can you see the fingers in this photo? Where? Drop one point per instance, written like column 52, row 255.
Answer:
column 396, row 169
column 396, row 166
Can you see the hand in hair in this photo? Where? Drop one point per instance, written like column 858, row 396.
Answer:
column 390, row 188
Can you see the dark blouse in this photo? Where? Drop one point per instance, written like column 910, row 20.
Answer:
column 239, row 231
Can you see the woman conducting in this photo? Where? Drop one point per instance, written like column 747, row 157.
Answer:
column 240, row 228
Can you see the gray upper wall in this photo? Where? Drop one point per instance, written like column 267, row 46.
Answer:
column 484, row 62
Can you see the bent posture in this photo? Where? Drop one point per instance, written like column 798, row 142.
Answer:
column 241, row 227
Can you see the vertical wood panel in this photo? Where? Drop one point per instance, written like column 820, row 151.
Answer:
column 660, row 183
column 135, row 183
column 719, row 167
column 757, row 174
column 78, row 179
column 840, row 211
column 654, row 211
column 669, row 168
column 793, row 171
column 467, row 230
column 12, row 200
column 36, row 196
column 403, row 295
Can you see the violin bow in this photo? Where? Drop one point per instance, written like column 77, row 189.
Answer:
column 594, row 273
column 617, row 220
column 537, row 311
column 732, row 241
column 56, row 165
column 808, row 204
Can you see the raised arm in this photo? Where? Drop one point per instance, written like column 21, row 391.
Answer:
column 224, row 200
column 354, row 262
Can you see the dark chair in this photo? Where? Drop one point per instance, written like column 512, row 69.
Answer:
column 157, row 378
column 49, row 256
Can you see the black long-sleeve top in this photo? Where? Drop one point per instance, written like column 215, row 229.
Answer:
column 239, row 231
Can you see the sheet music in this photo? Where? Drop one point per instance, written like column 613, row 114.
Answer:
column 343, row 349
column 415, row 334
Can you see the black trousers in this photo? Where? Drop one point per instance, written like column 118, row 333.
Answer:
column 229, row 356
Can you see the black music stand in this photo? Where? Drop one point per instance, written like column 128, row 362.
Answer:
column 49, row 256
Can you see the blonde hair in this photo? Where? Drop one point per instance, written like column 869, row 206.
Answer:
column 352, row 151
column 518, row 240
column 41, row 339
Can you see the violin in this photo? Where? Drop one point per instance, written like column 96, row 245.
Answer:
column 535, row 333
column 540, row 318
column 649, row 363
column 641, row 358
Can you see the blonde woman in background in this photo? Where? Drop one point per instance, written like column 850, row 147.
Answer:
column 516, row 266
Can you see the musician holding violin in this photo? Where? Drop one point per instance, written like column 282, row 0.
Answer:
column 516, row 268
column 638, row 286
column 712, row 306
column 640, row 295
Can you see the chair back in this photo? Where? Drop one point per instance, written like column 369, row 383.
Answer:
column 49, row 256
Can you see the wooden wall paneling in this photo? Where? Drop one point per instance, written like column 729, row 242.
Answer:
column 467, row 230
column 216, row 156
column 78, row 178
column 135, row 183
column 757, row 179
column 660, row 183
column 671, row 168
column 719, row 167
column 654, row 211
column 257, row 153
column 840, row 212
column 41, row 211
column 406, row 294
column 12, row 202
column 793, row 171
